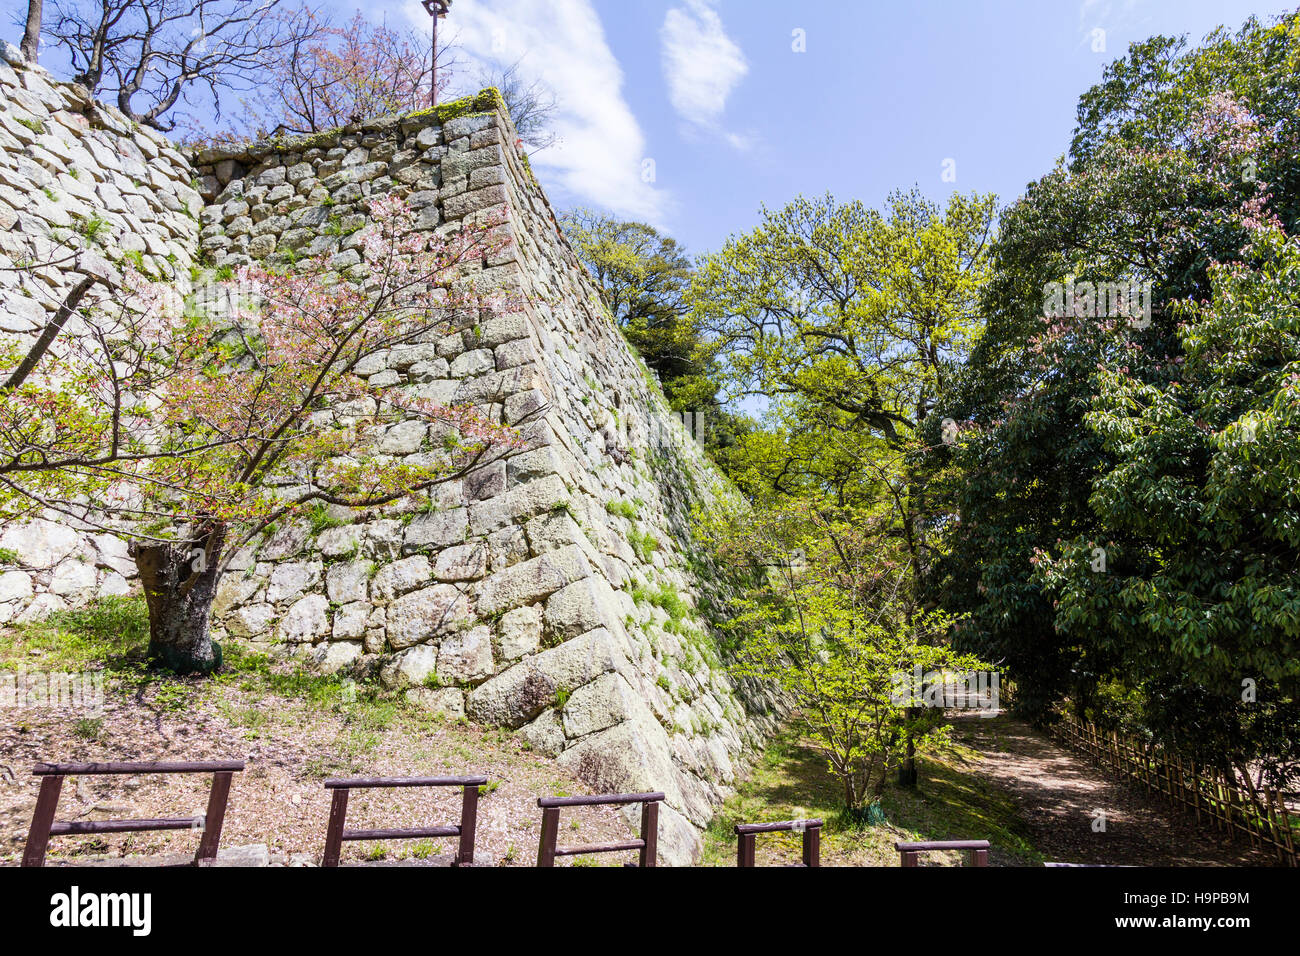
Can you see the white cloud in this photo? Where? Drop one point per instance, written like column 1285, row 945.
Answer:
column 598, row 157
column 1107, row 15
column 701, row 64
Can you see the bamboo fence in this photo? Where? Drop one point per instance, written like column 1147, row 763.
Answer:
column 1212, row 795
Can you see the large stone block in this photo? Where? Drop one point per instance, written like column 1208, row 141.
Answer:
column 520, row 693
column 424, row 615
column 604, row 702
column 40, row 543
column 521, row 632
column 463, row 562
column 414, row 666
column 291, row 579
column 583, row 606
column 532, row 581
column 306, row 620
column 466, row 656
column 15, row 586
column 396, row 579
column 438, row 529
column 348, row 582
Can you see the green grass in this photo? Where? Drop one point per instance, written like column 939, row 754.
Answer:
column 665, row 598
column 625, row 509
column 321, row 520
column 112, row 632
column 643, row 543
column 792, row 781
column 88, row 728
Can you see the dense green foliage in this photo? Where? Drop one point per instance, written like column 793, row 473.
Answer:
column 643, row 276
column 1125, row 522
column 830, row 617
column 848, row 322
column 1078, row 437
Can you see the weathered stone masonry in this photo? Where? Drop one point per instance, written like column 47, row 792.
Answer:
column 555, row 613
column 69, row 164
column 558, row 591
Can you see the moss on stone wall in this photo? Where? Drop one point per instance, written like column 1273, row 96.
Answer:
column 485, row 101
column 488, row 100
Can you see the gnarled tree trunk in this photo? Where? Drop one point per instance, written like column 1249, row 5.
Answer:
column 180, row 582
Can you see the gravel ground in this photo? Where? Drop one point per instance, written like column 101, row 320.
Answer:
column 290, row 745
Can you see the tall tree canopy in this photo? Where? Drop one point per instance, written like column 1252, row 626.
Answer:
column 1125, row 511
column 848, row 321
column 643, row 276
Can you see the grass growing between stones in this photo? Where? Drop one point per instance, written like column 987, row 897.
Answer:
column 791, row 781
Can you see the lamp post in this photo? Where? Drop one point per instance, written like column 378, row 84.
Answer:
column 436, row 9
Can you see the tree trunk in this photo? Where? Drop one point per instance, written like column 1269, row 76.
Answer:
column 180, row 582
column 907, row 768
column 32, row 35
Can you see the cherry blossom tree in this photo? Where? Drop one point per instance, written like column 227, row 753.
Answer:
column 334, row 75
column 191, row 431
column 355, row 72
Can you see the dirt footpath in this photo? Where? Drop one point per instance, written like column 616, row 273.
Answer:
column 1060, row 793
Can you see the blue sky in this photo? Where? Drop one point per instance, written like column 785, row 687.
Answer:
column 714, row 94
column 733, row 117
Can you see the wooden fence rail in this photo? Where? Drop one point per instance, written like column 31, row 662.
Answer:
column 336, row 833
column 909, row 854
column 648, row 843
column 1213, row 796
column 811, row 830
column 209, row 825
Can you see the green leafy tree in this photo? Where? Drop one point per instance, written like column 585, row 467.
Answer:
column 1200, row 597
column 643, row 276
column 1090, row 530
column 829, row 617
column 848, row 322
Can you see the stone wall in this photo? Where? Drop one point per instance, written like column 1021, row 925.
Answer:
column 558, row 591
column 81, row 187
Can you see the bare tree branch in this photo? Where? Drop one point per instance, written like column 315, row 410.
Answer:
column 152, row 52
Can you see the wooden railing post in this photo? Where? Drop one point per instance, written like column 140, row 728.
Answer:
column 38, row 837
column 550, row 834
column 745, row 843
column 334, row 829
column 468, row 824
column 650, row 832
column 215, row 818
column 812, row 844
